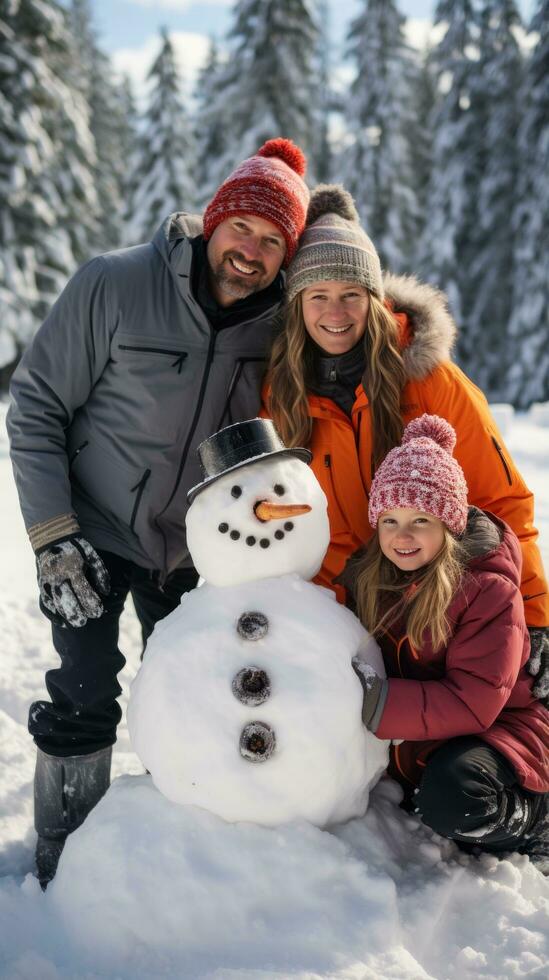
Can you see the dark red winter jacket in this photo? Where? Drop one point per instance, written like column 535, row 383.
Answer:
column 477, row 684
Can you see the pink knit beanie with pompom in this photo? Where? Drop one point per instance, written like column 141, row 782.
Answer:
column 422, row 473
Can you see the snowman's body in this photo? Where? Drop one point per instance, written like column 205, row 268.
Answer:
column 291, row 746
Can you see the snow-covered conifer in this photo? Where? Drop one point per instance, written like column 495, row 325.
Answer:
column 451, row 191
column 494, row 105
column 377, row 165
column 528, row 339
column 94, row 74
column 210, row 130
column 424, row 97
column 47, row 197
column 269, row 87
column 165, row 166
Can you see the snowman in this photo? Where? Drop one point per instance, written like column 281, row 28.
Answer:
column 246, row 703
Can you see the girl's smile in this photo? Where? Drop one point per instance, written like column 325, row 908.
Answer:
column 410, row 538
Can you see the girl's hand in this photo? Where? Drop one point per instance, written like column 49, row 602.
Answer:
column 538, row 664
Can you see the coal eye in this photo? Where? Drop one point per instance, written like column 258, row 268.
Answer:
column 279, row 489
column 236, row 491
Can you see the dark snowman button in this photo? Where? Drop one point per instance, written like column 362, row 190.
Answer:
column 257, row 742
column 252, row 626
column 251, row 686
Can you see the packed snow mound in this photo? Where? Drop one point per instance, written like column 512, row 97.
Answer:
column 148, row 889
column 188, row 715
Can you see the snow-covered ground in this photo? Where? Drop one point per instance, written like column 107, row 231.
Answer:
column 148, row 889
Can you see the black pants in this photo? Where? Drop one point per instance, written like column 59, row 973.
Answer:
column 469, row 792
column 83, row 712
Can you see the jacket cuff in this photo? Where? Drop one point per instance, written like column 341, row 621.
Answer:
column 45, row 533
column 376, row 717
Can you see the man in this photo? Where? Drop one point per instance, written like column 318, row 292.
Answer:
column 148, row 351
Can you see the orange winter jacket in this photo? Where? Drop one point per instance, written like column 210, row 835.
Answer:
column 342, row 446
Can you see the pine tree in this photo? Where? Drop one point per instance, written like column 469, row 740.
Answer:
column 210, row 131
column 487, row 304
column 452, row 188
column 128, row 137
column 528, row 375
column 23, row 137
column 166, row 154
column 422, row 139
column 270, row 84
column 377, row 166
column 322, row 161
column 47, row 198
column 94, row 76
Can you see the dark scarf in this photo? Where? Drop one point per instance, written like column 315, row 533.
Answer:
column 337, row 377
column 239, row 311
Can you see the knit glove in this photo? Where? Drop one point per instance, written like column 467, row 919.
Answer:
column 69, row 572
column 538, row 664
column 373, row 688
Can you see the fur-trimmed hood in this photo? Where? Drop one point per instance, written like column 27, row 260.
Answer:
column 432, row 330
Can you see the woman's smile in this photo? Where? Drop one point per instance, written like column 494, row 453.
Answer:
column 335, row 314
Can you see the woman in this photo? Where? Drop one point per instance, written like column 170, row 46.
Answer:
column 360, row 355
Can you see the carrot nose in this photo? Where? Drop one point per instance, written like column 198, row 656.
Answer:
column 266, row 511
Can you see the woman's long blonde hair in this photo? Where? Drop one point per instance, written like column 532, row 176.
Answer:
column 384, row 594
column 291, row 373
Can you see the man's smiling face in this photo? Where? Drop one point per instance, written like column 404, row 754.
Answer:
column 245, row 254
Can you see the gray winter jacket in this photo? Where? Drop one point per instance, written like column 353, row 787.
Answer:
column 121, row 383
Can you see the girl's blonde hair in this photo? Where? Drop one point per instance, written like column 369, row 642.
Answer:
column 384, row 594
column 291, row 373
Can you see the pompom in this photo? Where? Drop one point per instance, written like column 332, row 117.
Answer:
column 285, row 150
column 331, row 199
column 431, row 427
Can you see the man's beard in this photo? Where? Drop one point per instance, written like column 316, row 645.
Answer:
column 233, row 284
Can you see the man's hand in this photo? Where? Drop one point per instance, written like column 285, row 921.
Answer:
column 372, row 686
column 538, row 664
column 65, row 571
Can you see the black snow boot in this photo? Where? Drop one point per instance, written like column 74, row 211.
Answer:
column 536, row 844
column 65, row 790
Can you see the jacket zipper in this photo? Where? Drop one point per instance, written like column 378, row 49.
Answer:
column 358, row 427
column 503, row 460
column 77, row 453
column 153, row 350
column 235, row 378
column 138, row 490
column 194, row 423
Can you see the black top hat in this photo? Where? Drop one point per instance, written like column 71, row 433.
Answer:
column 239, row 445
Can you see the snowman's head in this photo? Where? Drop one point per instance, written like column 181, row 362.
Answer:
column 261, row 520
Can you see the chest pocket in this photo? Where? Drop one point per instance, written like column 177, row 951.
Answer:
column 146, row 359
column 243, row 393
column 154, row 379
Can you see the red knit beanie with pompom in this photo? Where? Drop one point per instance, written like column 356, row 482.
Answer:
column 268, row 185
column 422, row 474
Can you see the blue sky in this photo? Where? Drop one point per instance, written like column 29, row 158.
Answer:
column 127, row 23
column 129, row 29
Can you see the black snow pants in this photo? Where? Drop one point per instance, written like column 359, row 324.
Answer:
column 469, row 792
column 83, row 712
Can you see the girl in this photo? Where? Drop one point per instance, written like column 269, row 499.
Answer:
column 359, row 356
column 438, row 585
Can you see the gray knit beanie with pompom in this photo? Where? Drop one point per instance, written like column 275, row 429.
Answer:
column 333, row 245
